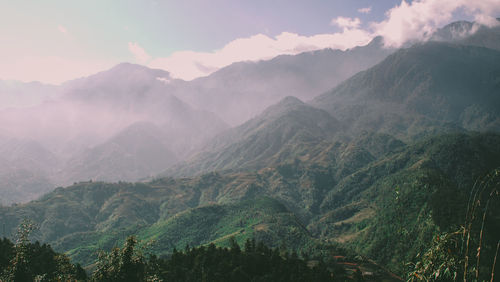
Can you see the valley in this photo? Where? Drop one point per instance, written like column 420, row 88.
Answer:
column 362, row 158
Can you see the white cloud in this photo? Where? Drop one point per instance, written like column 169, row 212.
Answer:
column 413, row 21
column 165, row 80
column 62, row 29
column 345, row 22
column 366, row 10
column 419, row 19
column 405, row 22
column 139, row 53
column 188, row 65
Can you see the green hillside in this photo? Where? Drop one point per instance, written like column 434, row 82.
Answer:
column 407, row 197
column 356, row 196
column 287, row 130
column 420, row 91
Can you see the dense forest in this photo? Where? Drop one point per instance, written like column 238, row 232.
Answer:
column 26, row 261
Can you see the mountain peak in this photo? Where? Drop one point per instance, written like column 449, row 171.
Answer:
column 123, row 84
column 286, row 104
column 291, row 101
column 127, row 68
column 124, row 65
column 376, row 41
column 453, row 31
column 123, row 73
column 448, row 85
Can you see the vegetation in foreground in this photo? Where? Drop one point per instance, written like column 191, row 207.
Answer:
column 471, row 252
column 25, row 261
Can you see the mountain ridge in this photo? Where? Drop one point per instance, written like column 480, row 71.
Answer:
column 431, row 83
column 282, row 132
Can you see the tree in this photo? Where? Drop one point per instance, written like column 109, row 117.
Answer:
column 31, row 261
column 19, row 267
column 126, row 264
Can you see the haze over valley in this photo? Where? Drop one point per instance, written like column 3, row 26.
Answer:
column 353, row 149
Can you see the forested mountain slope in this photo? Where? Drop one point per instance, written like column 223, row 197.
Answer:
column 287, row 130
column 428, row 88
column 343, row 198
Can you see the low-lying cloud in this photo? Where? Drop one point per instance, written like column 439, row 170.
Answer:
column 139, row 53
column 416, row 21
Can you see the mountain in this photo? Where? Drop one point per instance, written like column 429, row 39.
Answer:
column 455, row 31
column 469, row 33
column 136, row 152
column 170, row 212
column 484, row 37
column 19, row 185
column 386, row 206
column 122, row 84
column 92, row 109
column 409, row 196
column 129, row 88
column 139, row 94
column 416, row 92
column 78, row 123
column 88, row 129
column 26, row 170
column 380, row 164
column 421, row 90
column 283, row 132
column 242, row 90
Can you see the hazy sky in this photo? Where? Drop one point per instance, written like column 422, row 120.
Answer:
column 53, row 41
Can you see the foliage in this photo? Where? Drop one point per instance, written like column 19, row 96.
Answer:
column 471, row 252
column 421, row 91
column 27, row 261
column 385, row 206
column 256, row 262
column 442, row 261
column 121, row 265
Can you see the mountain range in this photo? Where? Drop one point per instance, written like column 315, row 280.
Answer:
column 373, row 150
column 243, row 90
column 84, row 117
column 433, row 86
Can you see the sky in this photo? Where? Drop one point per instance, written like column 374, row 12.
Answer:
column 54, row 41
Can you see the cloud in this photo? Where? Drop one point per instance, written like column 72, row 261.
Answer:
column 188, row 65
column 417, row 20
column 139, row 53
column 345, row 22
column 62, row 29
column 366, row 10
column 165, row 80
column 408, row 21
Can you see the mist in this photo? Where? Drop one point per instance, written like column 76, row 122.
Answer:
column 120, row 124
column 132, row 122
